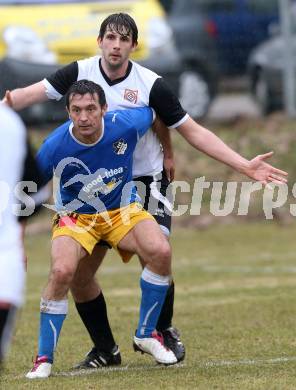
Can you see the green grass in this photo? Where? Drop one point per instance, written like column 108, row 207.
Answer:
column 235, row 306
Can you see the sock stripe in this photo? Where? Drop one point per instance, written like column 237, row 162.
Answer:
column 54, row 330
column 147, row 317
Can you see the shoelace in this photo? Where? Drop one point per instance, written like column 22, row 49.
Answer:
column 38, row 361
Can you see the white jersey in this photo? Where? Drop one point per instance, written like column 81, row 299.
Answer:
column 139, row 87
column 12, row 155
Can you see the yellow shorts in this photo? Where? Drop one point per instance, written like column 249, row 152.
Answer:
column 111, row 226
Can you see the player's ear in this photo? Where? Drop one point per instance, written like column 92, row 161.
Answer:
column 104, row 109
column 99, row 40
column 68, row 112
column 134, row 46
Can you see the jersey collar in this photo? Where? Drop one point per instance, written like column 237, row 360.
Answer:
column 82, row 143
column 116, row 81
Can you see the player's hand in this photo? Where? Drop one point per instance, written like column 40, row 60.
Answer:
column 169, row 167
column 265, row 173
column 7, row 99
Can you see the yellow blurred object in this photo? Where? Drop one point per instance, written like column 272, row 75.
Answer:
column 62, row 32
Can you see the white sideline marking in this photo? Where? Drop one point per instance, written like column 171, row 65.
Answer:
column 122, row 368
column 209, row 364
column 250, row 362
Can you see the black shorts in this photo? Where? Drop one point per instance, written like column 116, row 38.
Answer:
column 156, row 196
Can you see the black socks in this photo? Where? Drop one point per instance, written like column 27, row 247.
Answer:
column 167, row 311
column 94, row 316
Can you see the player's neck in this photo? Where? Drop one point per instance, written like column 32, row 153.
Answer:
column 87, row 139
column 113, row 72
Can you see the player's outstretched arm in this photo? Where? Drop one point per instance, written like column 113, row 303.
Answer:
column 206, row 141
column 24, row 97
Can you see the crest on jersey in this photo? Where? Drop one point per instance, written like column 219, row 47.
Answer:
column 120, row 146
column 131, row 96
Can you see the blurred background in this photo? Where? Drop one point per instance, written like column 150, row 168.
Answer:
column 225, row 59
column 203, row 48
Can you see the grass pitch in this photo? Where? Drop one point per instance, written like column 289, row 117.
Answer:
column 234, row 304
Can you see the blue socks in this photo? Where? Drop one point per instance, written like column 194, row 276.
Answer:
column 154, row 288
column 53, row 313
column 52, row 317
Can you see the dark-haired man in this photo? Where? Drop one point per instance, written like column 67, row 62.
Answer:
column 127, row 84
column 91, row 156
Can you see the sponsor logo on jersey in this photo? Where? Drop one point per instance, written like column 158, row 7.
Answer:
column 99, row 180
column 120, row 146
column 131, row 95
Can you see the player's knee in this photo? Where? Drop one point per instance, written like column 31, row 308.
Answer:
column 162, row 253
column 165, row 251
column 62, row 275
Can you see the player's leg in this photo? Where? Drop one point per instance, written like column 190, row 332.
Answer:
column 12, row 280
column 7, row 320
column 157, row 199
column 91, row 306
column 65, row 254
column 4, row 313
column 146, row 240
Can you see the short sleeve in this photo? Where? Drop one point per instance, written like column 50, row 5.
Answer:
column 58, row 83
column 166, row 104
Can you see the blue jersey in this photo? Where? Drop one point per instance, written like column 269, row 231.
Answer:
column 93, row 178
